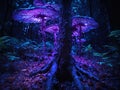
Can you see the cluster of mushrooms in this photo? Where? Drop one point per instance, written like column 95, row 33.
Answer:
column 41, row 13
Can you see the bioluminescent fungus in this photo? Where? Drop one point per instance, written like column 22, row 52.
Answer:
column 54, row 29
column 82, row 24
column 36, row 15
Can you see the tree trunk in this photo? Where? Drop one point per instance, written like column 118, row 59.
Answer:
column 65, row 61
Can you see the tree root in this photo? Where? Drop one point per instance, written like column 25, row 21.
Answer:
column 43, row 70
column 49, row 83
column 76, row 79
column 90, row 75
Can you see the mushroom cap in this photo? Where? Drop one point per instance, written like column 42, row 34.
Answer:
column 54, row 6
column 34, row 14
column 52, row 29
column 86, row 23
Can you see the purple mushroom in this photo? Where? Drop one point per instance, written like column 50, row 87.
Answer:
column 53, row 29
column 82, row 24
column 35, row 15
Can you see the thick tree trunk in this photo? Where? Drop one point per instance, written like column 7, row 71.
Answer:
column 65, row 60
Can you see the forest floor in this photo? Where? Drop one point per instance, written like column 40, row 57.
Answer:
column 19, row 58
column 17, row 75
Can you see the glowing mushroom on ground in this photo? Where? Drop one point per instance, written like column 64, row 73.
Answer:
column 82, row 24
column 35, row 15
column 53, row 29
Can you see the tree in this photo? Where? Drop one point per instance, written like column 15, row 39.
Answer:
column 63, row 66
column 63, row 59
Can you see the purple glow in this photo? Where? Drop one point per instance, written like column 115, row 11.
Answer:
column 75, row 33
column 86, row 23
column 82, row 24
column 34, row 15
column 54, row 29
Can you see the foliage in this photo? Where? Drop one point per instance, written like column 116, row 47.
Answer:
column 8, row 47
column 112, row 54
column 88, row 48
column 12, row 56
column 7, row 43
column 115, row 33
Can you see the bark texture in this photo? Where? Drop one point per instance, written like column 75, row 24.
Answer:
column 65, row 62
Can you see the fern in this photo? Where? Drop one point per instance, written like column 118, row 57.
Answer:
column 115, row 33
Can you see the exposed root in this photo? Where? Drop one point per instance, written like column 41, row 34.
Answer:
column 90, row 75
column 44, row 69
column 76, row 79
column 49, row 83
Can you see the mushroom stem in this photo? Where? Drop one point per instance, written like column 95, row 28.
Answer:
column 79, row 40
column 43, row 35
column 55, row 39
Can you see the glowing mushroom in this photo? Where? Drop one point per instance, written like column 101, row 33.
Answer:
column 53, row 29
column 82, row 24
column 35, row 15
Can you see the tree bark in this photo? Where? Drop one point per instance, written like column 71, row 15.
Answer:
column 65, row 60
